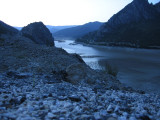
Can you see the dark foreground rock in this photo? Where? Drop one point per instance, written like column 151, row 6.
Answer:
column 7, row 29
column 39, row 33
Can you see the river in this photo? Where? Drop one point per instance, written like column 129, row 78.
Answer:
column 137, row 68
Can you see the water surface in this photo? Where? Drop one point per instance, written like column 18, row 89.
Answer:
column 138, row 68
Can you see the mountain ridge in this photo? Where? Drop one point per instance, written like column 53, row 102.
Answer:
column 116, row 29
column 78, row 31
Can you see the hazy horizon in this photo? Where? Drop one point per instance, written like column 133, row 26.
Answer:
column 19, row 13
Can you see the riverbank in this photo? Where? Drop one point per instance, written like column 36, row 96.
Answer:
column 104, row 45
column 137, row 68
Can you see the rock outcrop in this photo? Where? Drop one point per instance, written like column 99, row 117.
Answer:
column 39, row 33
column 6, row 29
column 138, row 10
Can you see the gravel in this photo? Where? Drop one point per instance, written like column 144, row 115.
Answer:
column 25, row 99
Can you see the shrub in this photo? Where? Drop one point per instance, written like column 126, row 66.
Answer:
column 2, row 40
column 110, row 69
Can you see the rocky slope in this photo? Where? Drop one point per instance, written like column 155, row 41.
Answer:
column 6, row 29
column 39, row 33
column 158, row 7
column 138, row 10
column 43, row 82
column 78, row 31
column 129, row 27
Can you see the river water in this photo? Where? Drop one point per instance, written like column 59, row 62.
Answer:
column 138, row 68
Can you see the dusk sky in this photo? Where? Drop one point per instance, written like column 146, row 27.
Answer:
column 59, row 12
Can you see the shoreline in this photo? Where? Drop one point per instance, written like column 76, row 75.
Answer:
column 128, row 50
column 107, row 46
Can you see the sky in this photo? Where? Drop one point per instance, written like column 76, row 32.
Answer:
column 59, row 12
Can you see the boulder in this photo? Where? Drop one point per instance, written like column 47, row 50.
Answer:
column 38, row 33
column 80, row 73
column 78, row 57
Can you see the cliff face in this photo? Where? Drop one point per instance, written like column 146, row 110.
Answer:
column 157, row 6
column 39, row 33
column 134, row 12
column 137, row 20
column 138, row 10
column 6, row 29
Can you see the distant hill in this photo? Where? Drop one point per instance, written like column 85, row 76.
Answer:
column 51, row 28
column 137, row 25
column 78, row 31
column 54, row 29
column 18, row 28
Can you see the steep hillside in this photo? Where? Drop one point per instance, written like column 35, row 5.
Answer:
column 78, row 31
column 135, row 26
column 6, row 29
column 158, row 7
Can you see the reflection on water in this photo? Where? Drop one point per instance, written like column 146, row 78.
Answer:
column 139, row 68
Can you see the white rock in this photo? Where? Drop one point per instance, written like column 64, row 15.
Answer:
column 85, row 117
column 10, row 115
column 50, row 115
column 144, row 112
column 67, row 104
column 122, row 118
column 111, row 118
column 28, row 96
column 116, row 109
column 132, row 118
column 110, row 109
column 125, row 114
column 103, row 112
column 97, row 115
column 20, row 109
column 158, row 113
column 114, row 115
column 77, row 109
column 2, row 108
column 61, row 118
column 93, row 98
column 1, row 102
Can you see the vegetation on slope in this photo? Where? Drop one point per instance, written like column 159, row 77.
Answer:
column 143, row 34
